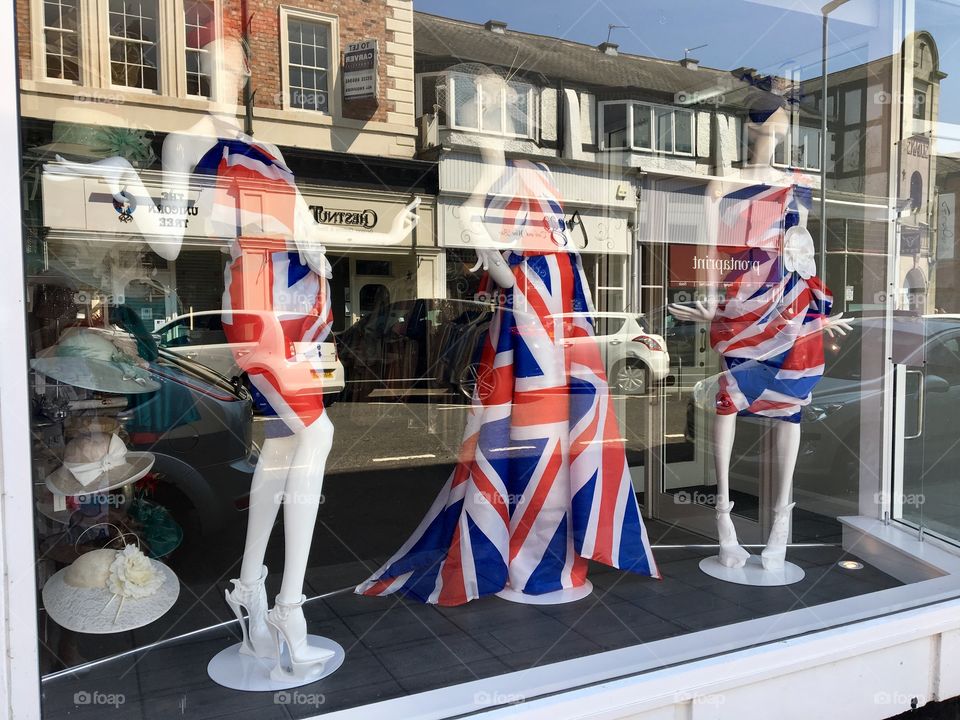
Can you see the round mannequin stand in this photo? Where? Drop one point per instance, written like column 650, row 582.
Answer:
column 557, row 597
column 239, row 671
column 753, row 573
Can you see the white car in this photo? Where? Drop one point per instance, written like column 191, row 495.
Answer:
column 634, row 358
column 199, row 336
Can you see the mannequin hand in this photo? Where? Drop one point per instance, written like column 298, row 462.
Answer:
column 700, row 312
column 116, row 172
column 492, row 262
column 836, row 325
column 406, row 221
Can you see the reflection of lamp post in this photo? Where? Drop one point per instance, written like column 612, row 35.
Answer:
column 826, row 10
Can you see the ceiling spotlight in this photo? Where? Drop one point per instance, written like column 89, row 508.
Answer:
column 850, row 565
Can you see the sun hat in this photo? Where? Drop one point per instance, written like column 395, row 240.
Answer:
column 87, row 358
column 97, row 462
column 110, row 590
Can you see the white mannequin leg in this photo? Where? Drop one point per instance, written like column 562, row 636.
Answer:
column 266, row 488
column 786, row 443
column 724, row 433
column 301, row 499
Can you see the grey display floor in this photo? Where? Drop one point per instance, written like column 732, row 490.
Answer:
column 396, row 647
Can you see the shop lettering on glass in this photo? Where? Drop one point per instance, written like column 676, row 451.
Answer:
column 175, row 208
column 366, row 219
column 360, row 71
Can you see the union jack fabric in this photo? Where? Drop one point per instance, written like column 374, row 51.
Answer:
column 541, row 484
column 273, row 304
column 768, row 330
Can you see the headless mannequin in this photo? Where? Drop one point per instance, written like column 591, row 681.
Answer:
column 764, row 137
column 290, row 469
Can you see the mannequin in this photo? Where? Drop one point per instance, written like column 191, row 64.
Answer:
column 253, row 202
column 790, row 328
column 541, row 484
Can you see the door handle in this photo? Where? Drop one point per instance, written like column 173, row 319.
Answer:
column 921, row 394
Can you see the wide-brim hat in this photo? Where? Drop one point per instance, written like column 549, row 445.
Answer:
column 136, row 464
column 96, row 375
column 94, row 360
column 94, row 610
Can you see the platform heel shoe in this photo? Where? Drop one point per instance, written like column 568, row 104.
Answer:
column 252, row 598
column 731, row 554
column 300, row 661
column 775, row 552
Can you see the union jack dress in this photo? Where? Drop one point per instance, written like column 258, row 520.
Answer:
column 768, row 330
column 541, row 484
column 274, row 305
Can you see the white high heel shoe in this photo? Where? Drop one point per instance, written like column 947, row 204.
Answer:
column 775, row 552
column 257, row 638
column 731, row 554
column 290, row 631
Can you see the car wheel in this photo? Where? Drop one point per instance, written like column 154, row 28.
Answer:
column 631, row 378
column 473, row 377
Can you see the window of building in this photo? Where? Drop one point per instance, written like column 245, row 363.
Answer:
column 645, row 126
column 499, row 108
column 61, row 36
column 134, row 44
column 197, row 16
column 308, row 64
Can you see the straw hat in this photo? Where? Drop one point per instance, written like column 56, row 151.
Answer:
column 97, row 462
column 107, row 591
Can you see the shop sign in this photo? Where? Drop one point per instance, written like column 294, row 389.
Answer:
column 366, row 218
column 360, row 71
column 946, row 226
column 693, row 265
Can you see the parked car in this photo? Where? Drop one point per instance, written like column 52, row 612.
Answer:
column 826, row 478
column 199, row 336
column 435, row 343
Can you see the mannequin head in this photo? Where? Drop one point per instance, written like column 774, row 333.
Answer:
column 226, row 64
column 768, row 126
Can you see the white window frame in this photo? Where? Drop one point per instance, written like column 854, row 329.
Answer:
column 41, row 24
column 787, row 146
column 533, row 116
column 182, row 49
column 630, row 106
column 159, row 44
column 333, row 28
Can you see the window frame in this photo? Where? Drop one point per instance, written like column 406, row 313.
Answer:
column 40, row 8
column 161, row 52
column 532, row 92
column 630, row 106
column 182, row 51
column 287, row 12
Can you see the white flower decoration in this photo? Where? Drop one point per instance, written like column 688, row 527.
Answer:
column 799, row 255
column 132, row 574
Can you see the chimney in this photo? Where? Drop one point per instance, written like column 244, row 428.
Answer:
column 690, row 63
column 608, row 48
column 497, row 26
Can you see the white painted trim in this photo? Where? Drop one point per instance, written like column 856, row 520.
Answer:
column 333, row 73
column 19, row 680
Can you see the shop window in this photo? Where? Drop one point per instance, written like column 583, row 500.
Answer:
column 643, row 126
column 134, row 44
column 62, row 39
column 308, row 64
column 197, row 15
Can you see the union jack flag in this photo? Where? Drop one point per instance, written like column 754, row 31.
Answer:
column 274, row 306
column 541, row 483
column 768, row 331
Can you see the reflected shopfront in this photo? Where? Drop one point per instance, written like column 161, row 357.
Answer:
column 380, row 363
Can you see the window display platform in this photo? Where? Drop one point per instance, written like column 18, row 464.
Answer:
column 395, row 647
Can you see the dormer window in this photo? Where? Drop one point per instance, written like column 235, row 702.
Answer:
column 479, row 103
column 632, row 125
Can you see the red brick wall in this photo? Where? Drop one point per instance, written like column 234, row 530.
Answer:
column 358, row 19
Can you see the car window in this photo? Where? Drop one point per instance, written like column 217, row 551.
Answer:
column 943, row 358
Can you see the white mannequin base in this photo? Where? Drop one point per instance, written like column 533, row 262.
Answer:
column 752, row 573
column 557, row 597
column 243, row 672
